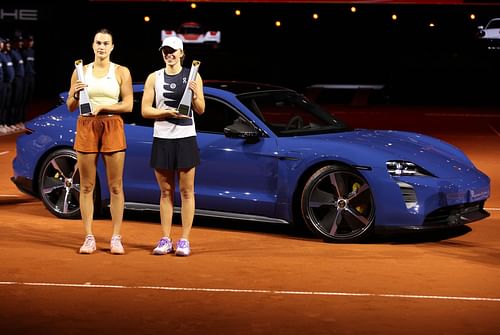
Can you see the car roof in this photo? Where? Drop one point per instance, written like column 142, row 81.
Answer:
column 235, row 87
column 190, row 24
column 243, row 87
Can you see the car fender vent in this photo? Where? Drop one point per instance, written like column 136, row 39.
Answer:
column 409, row 194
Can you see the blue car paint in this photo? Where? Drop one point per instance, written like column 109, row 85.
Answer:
column 265, row 178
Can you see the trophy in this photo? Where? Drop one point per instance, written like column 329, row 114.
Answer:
column 85, row 106
column 185, row 104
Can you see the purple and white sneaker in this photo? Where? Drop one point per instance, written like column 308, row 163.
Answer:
column 182, row 248
column 164, row 246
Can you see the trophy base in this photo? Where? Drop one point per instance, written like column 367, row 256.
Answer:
column 183, row 109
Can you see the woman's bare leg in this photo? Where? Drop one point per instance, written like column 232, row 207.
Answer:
column 114, row 169
column 87, row 167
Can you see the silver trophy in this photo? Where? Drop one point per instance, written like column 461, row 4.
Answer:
column 85, row 106
column 185, row 104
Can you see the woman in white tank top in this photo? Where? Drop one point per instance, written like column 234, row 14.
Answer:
column 175, row 150
column 109, row 87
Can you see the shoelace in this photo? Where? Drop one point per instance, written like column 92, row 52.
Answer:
column 89, row 241
column 116, row 242
column 163, row 242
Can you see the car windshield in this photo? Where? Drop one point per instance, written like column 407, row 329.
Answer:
column 494, row 24
column 288, row 113
column 190, row 30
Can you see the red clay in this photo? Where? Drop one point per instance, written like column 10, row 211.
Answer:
column 251, row 278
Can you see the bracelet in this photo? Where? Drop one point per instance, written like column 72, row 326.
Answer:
column 76, row 97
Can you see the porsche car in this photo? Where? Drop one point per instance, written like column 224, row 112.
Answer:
column 490, row 34
column 194, row 33
column 270, row 155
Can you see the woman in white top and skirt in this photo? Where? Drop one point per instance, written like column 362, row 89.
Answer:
column 175, row 150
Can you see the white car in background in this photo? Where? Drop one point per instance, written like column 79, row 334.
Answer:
column 194, row 33
column 490, row 34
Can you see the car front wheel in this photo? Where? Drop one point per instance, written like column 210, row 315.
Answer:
column 59, row 184
column 337, row 205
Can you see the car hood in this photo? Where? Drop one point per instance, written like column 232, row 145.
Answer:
column 373, row 148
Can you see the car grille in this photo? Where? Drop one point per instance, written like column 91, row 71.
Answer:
column 456, row 215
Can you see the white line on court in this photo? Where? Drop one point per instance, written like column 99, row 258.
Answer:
column 492, row 209
column 231, row 290
column 494, row 130
column 4, row 153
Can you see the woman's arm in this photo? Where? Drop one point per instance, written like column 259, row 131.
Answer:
column 74, row 93
column 198, row 102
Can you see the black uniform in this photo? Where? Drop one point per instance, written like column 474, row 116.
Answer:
column 8, row 78
column 17, row 107
column 28, row 54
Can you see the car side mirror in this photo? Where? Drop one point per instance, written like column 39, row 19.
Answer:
column 241, row 129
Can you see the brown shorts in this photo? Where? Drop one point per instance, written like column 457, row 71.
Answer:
column 102, row 133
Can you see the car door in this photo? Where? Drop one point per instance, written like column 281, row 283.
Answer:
column 139, row 182
column 234, row 175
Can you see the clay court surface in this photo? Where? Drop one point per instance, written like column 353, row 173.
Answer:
column 256, row 278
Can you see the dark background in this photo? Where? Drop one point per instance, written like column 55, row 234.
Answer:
column 417, row 64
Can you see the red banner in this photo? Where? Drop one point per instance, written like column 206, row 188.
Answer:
column 354, row 2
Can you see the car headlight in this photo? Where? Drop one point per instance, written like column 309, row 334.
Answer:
column 405, row 168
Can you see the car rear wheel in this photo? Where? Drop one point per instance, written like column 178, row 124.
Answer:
column 59, row 184
column 337, row 205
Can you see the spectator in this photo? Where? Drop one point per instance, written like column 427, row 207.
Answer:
column 3, row 128
column 8, row 78
column 28, row 53
column 17, row 109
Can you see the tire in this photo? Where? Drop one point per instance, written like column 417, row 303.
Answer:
column 337, row 205
column 59, row 184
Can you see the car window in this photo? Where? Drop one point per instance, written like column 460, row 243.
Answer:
column 135, row 118
column 291, row 114
column 495, row 24
column 216, row 117
column 190, row 30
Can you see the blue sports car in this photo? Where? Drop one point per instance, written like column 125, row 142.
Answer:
column 270, row 155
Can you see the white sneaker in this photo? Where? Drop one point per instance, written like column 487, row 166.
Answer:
column 116, row 245
column 182, row 248
column 164, row 246
column 88, row 246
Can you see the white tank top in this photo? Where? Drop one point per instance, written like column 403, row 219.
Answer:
column 174, row 87
column 105, row 90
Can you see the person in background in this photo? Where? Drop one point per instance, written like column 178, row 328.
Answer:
column 3, row 90
column 8, row 78
column 175, row 152
column 28, row 53
column 110, row 92
column 17, row 104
